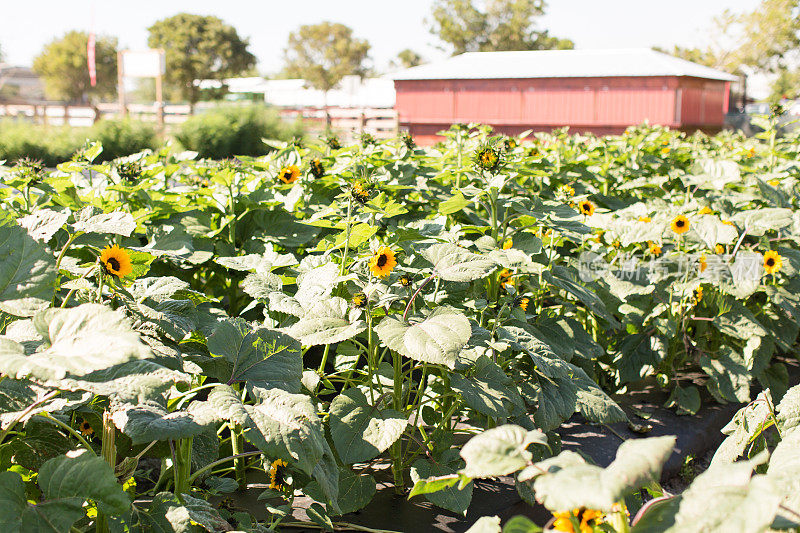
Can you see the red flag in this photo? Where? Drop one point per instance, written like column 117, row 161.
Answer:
column 90, row 56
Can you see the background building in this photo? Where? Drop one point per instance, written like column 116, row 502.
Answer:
column 598, row 91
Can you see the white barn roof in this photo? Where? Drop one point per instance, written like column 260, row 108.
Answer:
column 560, row 64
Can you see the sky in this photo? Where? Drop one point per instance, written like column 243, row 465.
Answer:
column 390, row 26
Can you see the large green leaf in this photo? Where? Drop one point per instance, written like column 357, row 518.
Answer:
column 448, row 495
column 499, row 451
column 729, row 378
column 150, row 420
column 453, row 263
column 361, row 431
column 488, row 390
column 789, row 409
column 44, row 223
column 79, row 341
column 283, row 425
column 355, row 491
column 326, row 322
column 438, row 338
column 167, row 514
column 117, row 222
column 259, row 356
column 27, row 272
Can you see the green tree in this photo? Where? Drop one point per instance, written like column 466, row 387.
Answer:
column 773, row 35
column 63, row 66
column 198, row 47
column 407, row 58
column 323, row 54
column 501, row 25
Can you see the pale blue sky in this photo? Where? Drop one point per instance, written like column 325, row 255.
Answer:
column 390, row 26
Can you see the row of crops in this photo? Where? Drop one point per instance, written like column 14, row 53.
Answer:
column 324, row 320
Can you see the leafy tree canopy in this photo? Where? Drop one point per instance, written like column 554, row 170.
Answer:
column 407, row 58
column 63, row 66
column 198, row 47
column 494, row 25
column 324, row 53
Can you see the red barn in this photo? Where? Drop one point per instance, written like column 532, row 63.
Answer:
column 598, row 91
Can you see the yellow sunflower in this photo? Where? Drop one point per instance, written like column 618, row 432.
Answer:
column 703, row 263
column 587, row 519
column 644, row 219
column 772, row 262
column 289, row 174
column 508, row 244
column 586, row 207
column 505, row 278
column 680, row 224
column 116, row 261
column 277, row 474
column 382, row 262
column 697, row 295
column 405, row 280
column 706, row 210
column 522, row 302
column 359, row 192
column 85, row 429
column 727, row 222
column 665, row 151
column 359, row 300
column 654, row 248
column 719, row 249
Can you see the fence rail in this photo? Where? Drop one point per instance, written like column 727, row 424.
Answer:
column 347, row 122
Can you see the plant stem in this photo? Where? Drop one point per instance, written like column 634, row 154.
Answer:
column 69, row 430
column 419, row 289
column 211, row 466
column 24, row 413
column 237, row 444
column 108, row 451
column 183, row 466
column 396, row 450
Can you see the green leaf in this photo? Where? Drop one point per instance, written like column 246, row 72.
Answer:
column 435, row 339
column 118, row 222
column 784, row 469
column 453, row 263
column 81, row 474
column 729, row 378
column 712, row 231
column 499, row 451
column 355, row 491
column 326, row 322
column 260, row 356
column 361, row 431
column 454, row 204
column 79, row 341
column 27, row 272
column 442, row 485
column 556, row 401
column 685, row 400
column 520, row 524
column 789, row 409
column 151, row 421
column 168, row 515
column 488, row 390
column 759, row 221
column 283, row 425
column 43, row 223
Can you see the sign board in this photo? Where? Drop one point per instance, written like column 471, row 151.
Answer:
column 143, row 63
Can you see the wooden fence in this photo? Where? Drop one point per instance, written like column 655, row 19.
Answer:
column 347, row 122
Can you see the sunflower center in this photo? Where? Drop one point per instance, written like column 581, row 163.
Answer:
column 382, row 259
column 680, row 223
column 113, row 263
column 770, row 262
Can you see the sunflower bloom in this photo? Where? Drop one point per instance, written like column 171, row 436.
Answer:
column 665, row 150
column 316, row 168
column 706, row 210
column 508, row 244
column 644, row 219
column 719, row 249
column 521, row 302
column 359, row 192
column 277, row 474
column 680, row 224
column 772, row 262
column 703, row 263
column 654, row 248
column 116, row 261
column 697, row 295
column 85, row 429
column 405, row 280
column 359, row 300
column 289, row 174
column 505, row 278
column 382, row 262
column 587, row 518
column 586, row 207
column 727, row 222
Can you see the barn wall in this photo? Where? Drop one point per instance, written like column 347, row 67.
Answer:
column 598, row 105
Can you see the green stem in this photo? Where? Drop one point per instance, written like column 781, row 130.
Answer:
column 396, row 451
column 346, row 236
column 237, row 445
column 108, row 451
column 215, row 464
column 183, row 466
column 24, row 413
column 69, row 430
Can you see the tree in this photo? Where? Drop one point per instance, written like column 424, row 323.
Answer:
column 323, row 54
column 407, row 58
column 64, row 68
column 773, row 36
column 502, row 25
column 198, row 47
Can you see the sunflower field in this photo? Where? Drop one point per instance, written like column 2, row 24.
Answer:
column 324, row 321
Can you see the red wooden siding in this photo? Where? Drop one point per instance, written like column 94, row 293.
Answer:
column 599, row 105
